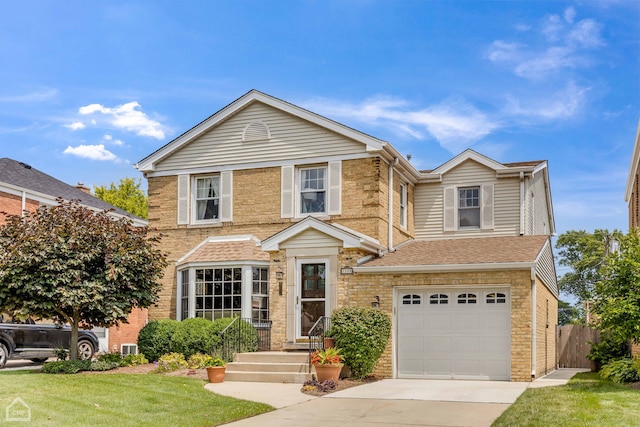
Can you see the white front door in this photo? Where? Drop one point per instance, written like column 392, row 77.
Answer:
column 311, row 298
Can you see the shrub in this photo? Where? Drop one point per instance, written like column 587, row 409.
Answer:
column 171, row 362
column 193, row 336
column 199, row 360
column 134, row 360
column 242, row 332
column 154, row 338
column 103, row 365
column 620, row 371
column 362, row 334
column 66, row 366
column 110, row 357
column 323, row 386
column 609, row 348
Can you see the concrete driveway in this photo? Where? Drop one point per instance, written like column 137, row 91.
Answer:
column 392, row 402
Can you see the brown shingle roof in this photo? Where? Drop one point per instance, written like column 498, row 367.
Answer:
column 463, row 251
column 227, row 251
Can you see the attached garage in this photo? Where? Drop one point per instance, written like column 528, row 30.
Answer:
column 454, row 333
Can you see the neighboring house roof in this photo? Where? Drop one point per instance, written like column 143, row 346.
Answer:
column 225, row 249
column 18, row 178
column 372, row 144
column 488, row 251
column 633, row 169
column 350, row 238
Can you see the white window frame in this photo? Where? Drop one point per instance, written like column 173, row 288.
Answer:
column 194, row 200
column 451, row 208
column 477, row 207
column 300, row 191
column 403, row 205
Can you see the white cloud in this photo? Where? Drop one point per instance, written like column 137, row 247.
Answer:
column 112, row 141
column 107, row 137
column 128, row 117
column 454, row 123
column 559, row 105
column 93, row 152
column 75, row 125
column 38, row 96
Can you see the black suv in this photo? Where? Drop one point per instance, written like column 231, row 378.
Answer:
column 38, row 342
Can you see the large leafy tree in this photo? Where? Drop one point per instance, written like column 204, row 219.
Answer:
column 584, row 254
column 616, row 302
column 77, row 266
column 126, row 195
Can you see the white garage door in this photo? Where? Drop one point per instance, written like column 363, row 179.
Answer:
column 454, row 333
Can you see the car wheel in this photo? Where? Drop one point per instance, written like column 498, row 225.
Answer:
column 40, row 360
column 4, row 355
column 85, row 350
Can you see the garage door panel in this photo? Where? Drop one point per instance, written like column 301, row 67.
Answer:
column 460, row 339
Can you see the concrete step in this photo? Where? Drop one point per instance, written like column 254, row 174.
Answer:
column 267, row 377
column 269, row 366
column 273, row 357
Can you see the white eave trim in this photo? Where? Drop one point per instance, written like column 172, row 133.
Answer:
column 633, row 169
column 433, row 268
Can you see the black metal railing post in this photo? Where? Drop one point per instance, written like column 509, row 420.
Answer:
column 317, row 335
column 245, row 335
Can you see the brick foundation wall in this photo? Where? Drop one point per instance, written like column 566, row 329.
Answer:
column 127, row 333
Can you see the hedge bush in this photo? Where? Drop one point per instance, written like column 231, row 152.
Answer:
column 620, row 371
column 193, row 336
column 154, row 338
column 362, row 334
column 171, row 362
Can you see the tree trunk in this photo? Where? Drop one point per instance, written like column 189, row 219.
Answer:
column 73, row 346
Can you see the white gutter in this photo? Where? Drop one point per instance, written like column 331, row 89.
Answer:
column 533, row 323
column 24, row 203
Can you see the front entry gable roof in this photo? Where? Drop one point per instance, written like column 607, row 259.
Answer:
column 349, row 238
column 149, row 163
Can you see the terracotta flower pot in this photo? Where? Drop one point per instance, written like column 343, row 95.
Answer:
column 329, row 342
column 216, row 373
column 328, row 372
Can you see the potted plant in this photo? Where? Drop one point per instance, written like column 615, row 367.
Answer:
column 328, row 364
column 329, row 341
column 216, row 368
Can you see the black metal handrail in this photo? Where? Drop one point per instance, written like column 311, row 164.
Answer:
column 245, row 335
column 317, row 334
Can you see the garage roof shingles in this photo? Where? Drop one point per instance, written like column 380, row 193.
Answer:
column 245, row 250
column 463, row 251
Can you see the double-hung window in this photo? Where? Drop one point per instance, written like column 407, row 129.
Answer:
column 207, row 198
column 469, row 207
column 313, row 190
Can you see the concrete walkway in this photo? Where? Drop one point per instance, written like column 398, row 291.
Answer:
column 393, row 402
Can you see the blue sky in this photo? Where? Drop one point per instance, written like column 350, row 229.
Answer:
column 90, row 88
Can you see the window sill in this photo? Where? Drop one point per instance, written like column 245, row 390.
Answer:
column 205, row 225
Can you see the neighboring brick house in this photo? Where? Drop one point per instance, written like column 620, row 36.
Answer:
column 24, row 188
column 632, row 197
column 271, row 211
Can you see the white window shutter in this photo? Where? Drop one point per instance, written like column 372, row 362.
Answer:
column 287, row 185
column 449, row 212
column 226, row 196
column 487, row 206
column 183, row 199
column 335, row 188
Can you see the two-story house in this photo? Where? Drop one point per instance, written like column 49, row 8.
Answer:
column 270, row 211
column 24, row 189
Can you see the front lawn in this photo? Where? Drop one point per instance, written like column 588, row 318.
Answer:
column 586, row 400
column 120, row 399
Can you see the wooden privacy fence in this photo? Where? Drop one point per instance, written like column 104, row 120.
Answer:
column 574, row 345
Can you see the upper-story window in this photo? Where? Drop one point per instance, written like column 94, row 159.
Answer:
column 313, row 186
column 469, row 207
column 403, row 205
column 207, row 198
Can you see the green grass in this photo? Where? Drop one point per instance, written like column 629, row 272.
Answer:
column 120, row 399
column 586, row 400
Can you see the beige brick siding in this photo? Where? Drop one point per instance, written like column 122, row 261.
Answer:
column 546, row 323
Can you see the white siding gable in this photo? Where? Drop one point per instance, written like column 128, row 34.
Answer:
column 291, row 138
column 311, row 238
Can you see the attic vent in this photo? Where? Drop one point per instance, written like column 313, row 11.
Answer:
column 24, row 165
column 255, row 131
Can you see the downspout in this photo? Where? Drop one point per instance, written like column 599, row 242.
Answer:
column 390, row 208
column 522, row 203
column 24, row 203
column 533, row 323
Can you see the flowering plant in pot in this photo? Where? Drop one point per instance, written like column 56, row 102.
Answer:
column 328, row 363
column 216, row 368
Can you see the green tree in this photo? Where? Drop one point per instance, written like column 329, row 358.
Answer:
column 126, row 195
column 77, row 266
column 568, row 314
column 616, row 302
column 584, row 254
